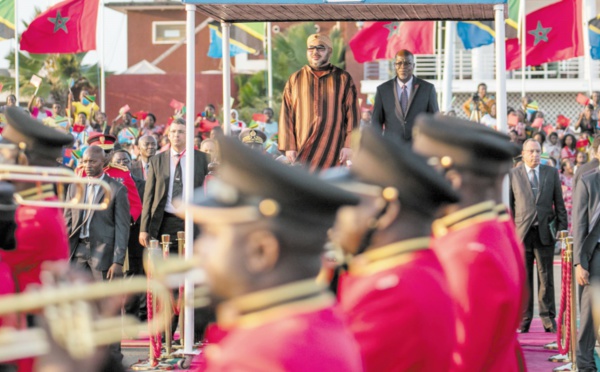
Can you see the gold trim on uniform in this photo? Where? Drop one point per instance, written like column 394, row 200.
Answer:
column 388, row 256
column 269, row 305
column 468, row 216
column 38, row 193
column 502, row 211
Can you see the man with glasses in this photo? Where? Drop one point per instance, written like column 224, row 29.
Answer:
column 400, row 100
column 318, row 111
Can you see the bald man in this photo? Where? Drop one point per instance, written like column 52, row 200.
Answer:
column 400, row 100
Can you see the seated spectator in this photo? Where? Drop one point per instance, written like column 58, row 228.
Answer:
column 236, row 125
column 85, row 104
column 37, row 109
column 569, row 150
column 566, row 181
column 270, row 127
column 365, row 118
column 489, row 119
column 586, row 123
column 540, row 137
column 580, row 159
column 206, row 121
column 551, row 146
column 209, row 146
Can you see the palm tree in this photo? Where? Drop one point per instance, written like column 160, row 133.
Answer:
column 289, row 55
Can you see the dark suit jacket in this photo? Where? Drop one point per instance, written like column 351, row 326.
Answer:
column 587, row 168
column 547, row 205
column 109, row 229
column 135, row 249
column 137, row 171
column 157, row 188
column 387, row 112
column 585, row 218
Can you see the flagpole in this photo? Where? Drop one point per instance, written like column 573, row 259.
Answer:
column 188, row 187
column 448, row 65
column 438, row 58
column 523, row 45
column 269, row 65
column 226, row 28
column 17, row 51
column 101, row 50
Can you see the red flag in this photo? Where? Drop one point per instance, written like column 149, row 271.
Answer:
column 382, row 40
column 67, row 27
column 553, row 33
column 582, row 99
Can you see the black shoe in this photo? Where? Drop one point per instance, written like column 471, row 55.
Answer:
column 551, row 329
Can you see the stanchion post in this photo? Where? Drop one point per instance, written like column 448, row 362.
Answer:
column 181, row 249
column 573, row 299
column 166, row 242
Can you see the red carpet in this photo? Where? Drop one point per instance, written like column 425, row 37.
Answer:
column 533, row 343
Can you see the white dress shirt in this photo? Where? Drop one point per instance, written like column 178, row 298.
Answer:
column 87, row 213
column 169, row 208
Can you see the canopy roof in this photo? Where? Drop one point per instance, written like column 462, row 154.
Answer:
column 345, row 10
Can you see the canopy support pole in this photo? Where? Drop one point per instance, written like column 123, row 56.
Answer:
column 449, row 65
column 225, row 28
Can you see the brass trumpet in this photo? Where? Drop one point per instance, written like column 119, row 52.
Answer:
column 69, row 313
column 59, row 176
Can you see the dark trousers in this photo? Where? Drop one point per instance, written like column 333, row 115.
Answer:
column 586, row 338
column 136, row 305
column 171, row 224
column 544, row 257
column 83, row 261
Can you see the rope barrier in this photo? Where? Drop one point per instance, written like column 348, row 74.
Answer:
column 564, row 314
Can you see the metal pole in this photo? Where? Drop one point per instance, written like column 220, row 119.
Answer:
column 448, row 65
column 586, row 9
column 438, row 59
column 270, row 64
column 17, row 51
column 101, row 52
column 225, row 28
column 188, row 187
column 501, row 100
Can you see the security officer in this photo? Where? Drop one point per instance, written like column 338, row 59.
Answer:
column 263, row 227
column 118, row 172
column 395, row 287
column 481, row 264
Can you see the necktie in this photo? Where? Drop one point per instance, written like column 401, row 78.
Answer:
column 534, row 182
column 177, row 180
column 89, row 196
column 404, row 99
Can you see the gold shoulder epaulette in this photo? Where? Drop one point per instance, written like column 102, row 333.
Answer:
column 121, row 167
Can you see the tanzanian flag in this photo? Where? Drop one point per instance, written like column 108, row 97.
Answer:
column 7, row 19
column 475, row 34
column 594, row 32
column 243, row 37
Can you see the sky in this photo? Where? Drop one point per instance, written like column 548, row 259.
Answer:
column 115, row 37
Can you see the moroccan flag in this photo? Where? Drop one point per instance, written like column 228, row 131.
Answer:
column 243, row 38
column 67, row 27
column 594, row 32
column 382, row 40
column 7, row 19
column 552, row 34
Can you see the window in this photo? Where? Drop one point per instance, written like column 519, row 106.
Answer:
column 168, row 32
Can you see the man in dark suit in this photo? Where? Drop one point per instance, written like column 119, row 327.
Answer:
column 147, row 146
column 165, row 184
column 586, row 237
column 589, row 167
column 98, row 239
column 400, row 100
column 536, row 200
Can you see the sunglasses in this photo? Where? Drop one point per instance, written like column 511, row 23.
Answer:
column 403, row 63
column 318, row 48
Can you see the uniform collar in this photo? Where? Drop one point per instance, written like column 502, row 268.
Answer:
column 269, row 305
column 38, row 192
column 465, row 217
column 388, row 256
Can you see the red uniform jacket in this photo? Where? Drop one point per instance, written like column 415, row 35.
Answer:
column 290, row 328
column 41, row 236
column 398, row 307
column 485, row 280
column 122, row 175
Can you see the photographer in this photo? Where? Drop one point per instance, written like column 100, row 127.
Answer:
column 479, row 104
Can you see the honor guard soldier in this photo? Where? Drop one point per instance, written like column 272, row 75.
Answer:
column 253, row 138
column 395, row 288
column 263, row 227
column 117, row 172
column 40, row 233
column 40, row 146
column 480, row 262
